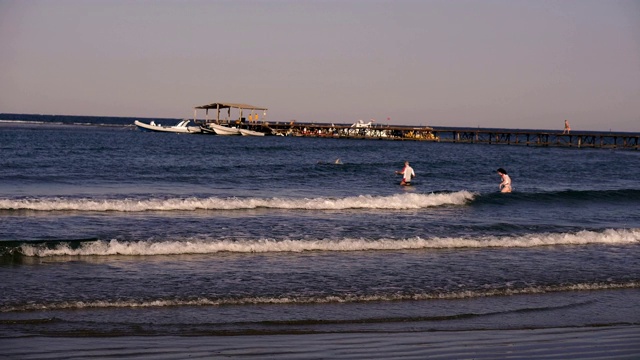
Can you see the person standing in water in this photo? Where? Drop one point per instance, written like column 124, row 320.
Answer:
column 407, row 174
column 505, row 185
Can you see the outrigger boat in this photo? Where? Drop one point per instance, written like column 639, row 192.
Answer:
column 238, row 126
column 181, row 127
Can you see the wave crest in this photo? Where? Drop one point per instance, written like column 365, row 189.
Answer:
column 392, row 202
column 469, row 294
column 212, row 246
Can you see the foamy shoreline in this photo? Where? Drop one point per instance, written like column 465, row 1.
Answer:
column 611, row 342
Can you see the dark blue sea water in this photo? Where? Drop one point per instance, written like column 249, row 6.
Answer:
column 110, row 230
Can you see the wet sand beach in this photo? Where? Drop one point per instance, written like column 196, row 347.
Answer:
column 618, row 342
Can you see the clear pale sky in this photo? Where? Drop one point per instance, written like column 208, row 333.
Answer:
column 502, row 63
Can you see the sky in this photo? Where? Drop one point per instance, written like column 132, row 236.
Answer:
column 521, row 64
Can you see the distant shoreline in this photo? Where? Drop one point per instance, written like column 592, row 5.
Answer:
column 125, row 121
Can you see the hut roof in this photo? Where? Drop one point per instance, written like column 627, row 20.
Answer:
column 230, row 105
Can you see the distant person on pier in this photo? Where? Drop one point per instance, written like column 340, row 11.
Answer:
column 407, row 174
column 567, row 128
column 505, row 185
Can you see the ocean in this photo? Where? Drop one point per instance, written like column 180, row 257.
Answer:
column 111, row 233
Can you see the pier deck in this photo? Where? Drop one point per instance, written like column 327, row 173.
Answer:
column 540, row 138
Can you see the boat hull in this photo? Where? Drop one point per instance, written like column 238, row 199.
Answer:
column 246, row 132
column 223, row 130
column 181, row 128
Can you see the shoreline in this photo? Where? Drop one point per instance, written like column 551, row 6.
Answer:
column 611, row 342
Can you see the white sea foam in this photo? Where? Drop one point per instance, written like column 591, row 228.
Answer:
column 213, row 245
column 347, row 298
column 393, row 202
column 22, row 122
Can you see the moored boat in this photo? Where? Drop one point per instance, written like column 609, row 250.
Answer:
column 221, row 129
column 181, row 127
column 247, row 132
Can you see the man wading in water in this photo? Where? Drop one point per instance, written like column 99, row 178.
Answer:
column 407, row 174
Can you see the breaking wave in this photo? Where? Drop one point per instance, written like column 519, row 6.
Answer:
column 393, row 202
column 212, row 245
column 288, row 300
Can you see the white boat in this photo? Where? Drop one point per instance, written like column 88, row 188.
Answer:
column 207, row 130
column 181, row 127
column 247, row 132
column 362, row 124
column 223, row 130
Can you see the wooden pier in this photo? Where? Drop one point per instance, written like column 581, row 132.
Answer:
column 540, row 138
column 372, row 130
